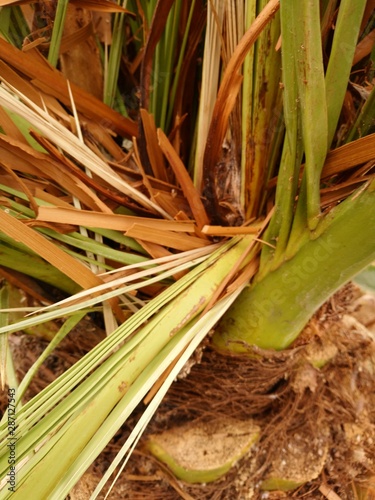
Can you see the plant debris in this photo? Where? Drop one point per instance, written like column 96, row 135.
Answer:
column 332, row 406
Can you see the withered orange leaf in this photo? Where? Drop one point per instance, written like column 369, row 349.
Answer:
column 89, row 218
column 68, row 265
column 55, row 84
column 170, row 239
column 184, row 180
column 153, row 149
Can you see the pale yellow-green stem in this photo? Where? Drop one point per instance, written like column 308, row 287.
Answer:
column 44, row 469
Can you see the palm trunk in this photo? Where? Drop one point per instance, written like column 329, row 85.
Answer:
column 272, row 312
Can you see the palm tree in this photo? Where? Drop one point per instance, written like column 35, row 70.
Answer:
column 241, row 201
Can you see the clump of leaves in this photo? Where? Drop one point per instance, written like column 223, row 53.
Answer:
column 204, row 148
